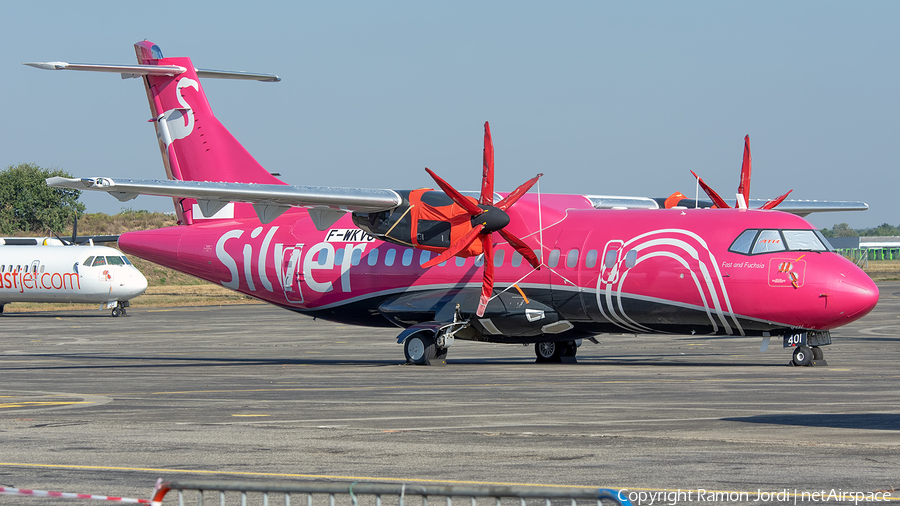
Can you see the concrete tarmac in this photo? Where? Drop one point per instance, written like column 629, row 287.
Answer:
column 94, row 404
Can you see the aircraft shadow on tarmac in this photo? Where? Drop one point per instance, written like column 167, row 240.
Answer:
column 872, row 421
column 146, row 362
column 101, row 313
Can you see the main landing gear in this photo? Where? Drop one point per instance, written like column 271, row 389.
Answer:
column 555, row 351
column 422, row 349
column 806, row 355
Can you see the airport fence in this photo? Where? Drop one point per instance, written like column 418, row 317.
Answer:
column 376, row 494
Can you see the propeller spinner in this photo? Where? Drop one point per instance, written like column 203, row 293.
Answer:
column 743, row 195
column 486, row 218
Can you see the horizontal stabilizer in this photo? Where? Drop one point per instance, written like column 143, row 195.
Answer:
column 153, row 70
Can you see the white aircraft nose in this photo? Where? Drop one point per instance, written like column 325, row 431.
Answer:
column 131, row 285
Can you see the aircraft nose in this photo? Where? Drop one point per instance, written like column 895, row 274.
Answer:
column 134, row 285
column 853, row 296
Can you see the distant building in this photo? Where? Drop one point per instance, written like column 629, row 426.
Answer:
column 874, row 248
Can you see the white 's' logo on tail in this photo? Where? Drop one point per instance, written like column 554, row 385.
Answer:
column 177, row 123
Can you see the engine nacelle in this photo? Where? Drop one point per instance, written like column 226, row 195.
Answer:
column 427, row 219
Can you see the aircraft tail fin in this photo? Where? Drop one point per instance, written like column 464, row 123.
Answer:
column 194, row 144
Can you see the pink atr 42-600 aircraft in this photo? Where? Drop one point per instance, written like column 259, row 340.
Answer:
column 511, row 267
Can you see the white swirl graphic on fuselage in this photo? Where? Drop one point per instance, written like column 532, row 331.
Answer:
column 685, row 248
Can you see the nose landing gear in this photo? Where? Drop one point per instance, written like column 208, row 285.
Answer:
column 119, row 310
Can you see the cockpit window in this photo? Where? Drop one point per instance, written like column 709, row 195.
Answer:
column 115, row 260
column 803, row 240
column 756, row 242
column 99, row 261
column 127, row 262
column 822, row 238
column 743, row 242
column 88, row 261
column 768, row 241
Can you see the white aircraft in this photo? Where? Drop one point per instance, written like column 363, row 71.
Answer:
column 44, row 269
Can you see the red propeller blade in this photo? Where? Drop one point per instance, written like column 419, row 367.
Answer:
column 744, row 186
column 487, row 285
column 487, row 174
column 457, row 197
column 717, row 200
column 772, row 203
column 522, row 248
column 511, row 199
column 455, row 248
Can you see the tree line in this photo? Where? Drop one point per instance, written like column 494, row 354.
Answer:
column 844, row 230
column 27, row 204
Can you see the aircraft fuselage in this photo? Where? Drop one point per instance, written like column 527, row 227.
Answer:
column 624, row 271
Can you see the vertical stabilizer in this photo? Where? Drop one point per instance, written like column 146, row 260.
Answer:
column 194, row 145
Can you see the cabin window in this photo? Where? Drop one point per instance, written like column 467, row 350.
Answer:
column 43, row 267
column 355, row 256
column 498, row 257
column 424, row 257
column 611, row 256
column 630, row 259
column 407, row 257
column 537, row 253
column 338, row 256
column 115, row 260
column 389, row 257
column 479, row 260
column 460, row 261
column 516, row 259
column 803, row 240
column 572, row 258
column 373, row 257
column 2, row 268
column 553, row 261
column 590, row 260
column 768, row 240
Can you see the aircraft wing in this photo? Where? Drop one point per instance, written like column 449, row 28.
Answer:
column 268, row 200
column 805, row 207
column 798, row 207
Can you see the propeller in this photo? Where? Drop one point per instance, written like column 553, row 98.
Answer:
column 486, row 218
column 743, row 195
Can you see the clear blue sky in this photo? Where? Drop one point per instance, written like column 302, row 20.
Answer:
column 619, row 98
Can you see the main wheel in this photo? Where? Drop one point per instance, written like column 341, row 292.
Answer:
column 817, row 353
column 548, row 351
column 419, row 349
column 116, row 312
column 802, row 356
column 570, row 349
